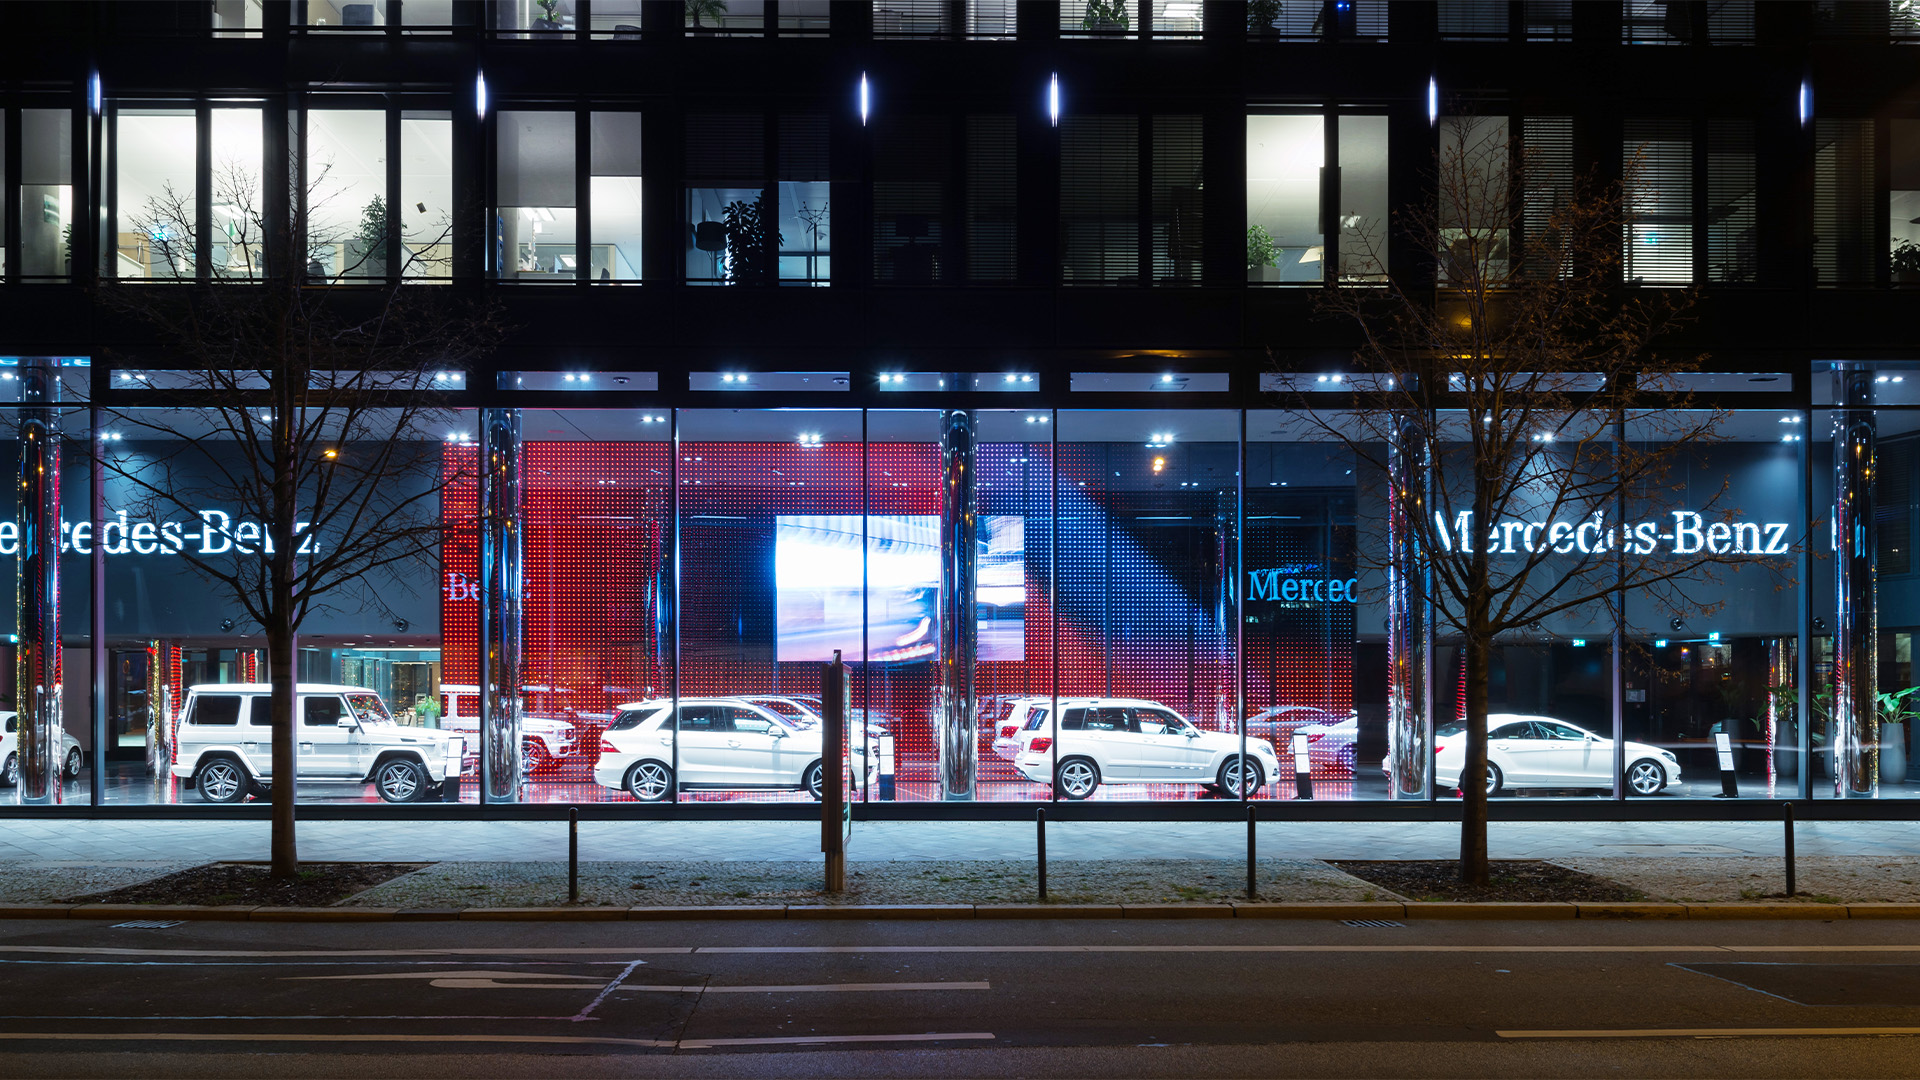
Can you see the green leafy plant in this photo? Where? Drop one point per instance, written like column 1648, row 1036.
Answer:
column 550, row 13
column 1261, row 14
column 1260, row 248
column 373, row 238
column 1896, row 707
column 1906, row 257
column 1106, row 15
column 752, row 241
column 712, row 9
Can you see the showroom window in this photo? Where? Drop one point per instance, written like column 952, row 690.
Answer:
column 944, row 199
column 166, row 214
column 1109, row 234
column 748, row 224
column 1287, row 192
column 929, row 20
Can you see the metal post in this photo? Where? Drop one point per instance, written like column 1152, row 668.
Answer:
column 1251, row 891
column 1856, row 735
column 499, row 734
column 573, row 854
column 834, row 816
column 1406, row 616
column 1789, row 849
column 37, row 690
column 97, row 616
column 958, row 741
column 1040, row 829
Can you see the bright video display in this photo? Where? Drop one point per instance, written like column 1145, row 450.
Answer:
column 817, row 582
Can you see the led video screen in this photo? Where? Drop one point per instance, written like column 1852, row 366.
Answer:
column 818, row 588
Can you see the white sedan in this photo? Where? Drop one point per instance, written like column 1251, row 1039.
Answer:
column 70, row 758
column 1120, row 739
column 724, row 743
column 1541, row 752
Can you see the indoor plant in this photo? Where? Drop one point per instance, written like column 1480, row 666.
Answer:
column 1110, row 15
column 1260, row 17
column 1261, row 252
column 751, row 241
column 713, row 9
column 550, row 15
column 1894, row 709
column 371, row 259
column 1906, row 262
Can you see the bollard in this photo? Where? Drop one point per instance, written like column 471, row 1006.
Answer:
column 1302, row 768
column 1040, row 826
column 573, row 854
column 1729, row 783
column 1790, row 881
column 1250, row 889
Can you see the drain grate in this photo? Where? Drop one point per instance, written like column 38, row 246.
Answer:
column 1374, row 923
column 147, row 924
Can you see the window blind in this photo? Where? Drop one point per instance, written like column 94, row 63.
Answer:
column 1099, row 199
column 1843, row 202
column 912, row 157
column 1730, row 22
column 1298, row 19
column 990, row 205
column 1176, row 198
column 1546, row 184
column 725, row 148
column 1549, row 20
column 1657, row 166
column 1370, row 19
column 803, row 147
column 1473, row 20
column 1732, row 235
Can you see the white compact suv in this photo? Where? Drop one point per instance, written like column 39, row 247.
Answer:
column 70, row 758
column 1122, row 739
column 543, row 741
column 725, row 743
column 224, row 744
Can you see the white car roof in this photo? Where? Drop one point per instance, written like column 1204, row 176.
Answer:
column 267, row 688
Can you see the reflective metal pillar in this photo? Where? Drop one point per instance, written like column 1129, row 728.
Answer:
column 1406, row 616
column 955, row 720
column 499, row 733
column 1856, row 661
column 37, row 583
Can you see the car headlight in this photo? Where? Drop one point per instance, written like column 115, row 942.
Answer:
column 1668, row 754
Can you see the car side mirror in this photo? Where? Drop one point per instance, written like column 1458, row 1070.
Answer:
column 346, row 722
column 777, row 732
column 1192, row 734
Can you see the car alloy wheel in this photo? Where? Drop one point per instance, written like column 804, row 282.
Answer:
column 71, row 767
column 1646, row 777
column 533, row 753
column 1493, row 779
column 400, row 780
column 649, row 781
column 815, row 781
column 1077, row 778
column 10, row 772
column 222, row 781
column 1236, row 770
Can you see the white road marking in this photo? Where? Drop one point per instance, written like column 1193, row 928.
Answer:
column 813, row 1040
column 491, row 980
column 817, row 988
column 437, row 975
column 321, row 954
column 1702, row 1033
column 575, row 1040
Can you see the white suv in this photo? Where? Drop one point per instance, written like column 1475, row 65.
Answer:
column 70, row 759
column 543, row 741
column 1124, row 739
column 725, row 743
column 225, row 744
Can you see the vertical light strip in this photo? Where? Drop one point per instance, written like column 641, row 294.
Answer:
column 95, row 96
column 1053, row 99
column 865, row 99
column 480, row 94
column 1806, row 102
column 1433, row 101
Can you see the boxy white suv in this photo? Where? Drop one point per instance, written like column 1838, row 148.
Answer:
column 543, row 741
column 225, row 744
column 70, row 759
column 1123, row 739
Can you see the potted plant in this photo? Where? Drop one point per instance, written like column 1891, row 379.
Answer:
column 549, row 15
column 713, row 9
column 1107, row 16
column 1894, row 708
column 1262, row 255
column 1260, row 17
column 1906, row 263
column 371, row 258
column 752, row 241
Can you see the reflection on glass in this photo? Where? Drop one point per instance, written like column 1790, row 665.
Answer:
column 347, row 211
column 806, row 232
column 155, row 192
column 1903, row 200
column 1363, row 198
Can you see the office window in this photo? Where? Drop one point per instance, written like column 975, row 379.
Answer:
column 426, row 17
column 46, row 192
column 728, row 219
column 613, row 197
column 942, row 19
column 1100, row 199
column 1658, row 172
column 615, row 20
column 1732, row 215
column 1286, row 242
column 805, row 18
column 1473, row 20
column 237, row 18
column 1549, row 20
column 743, row 18
column 346, row 189
column 533, row 225
column 1546, row 148
column 1903, row 198
column 1363, row 198
column 943, row 199
column 529, row 19
column 346, row 14
column 1295, row 20
column 806, row 200
column 1176, row 220
column 1131, row 18
column 1656, row 22
column 238, row 195
column 1474, row 195
column 1844, row 203
column 426, row 195
column 154, row 192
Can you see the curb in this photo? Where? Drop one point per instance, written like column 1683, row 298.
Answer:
column 926, row 912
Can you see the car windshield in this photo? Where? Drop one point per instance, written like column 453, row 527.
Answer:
column 369, row 709
column 1037, row 719
column 1455, row 728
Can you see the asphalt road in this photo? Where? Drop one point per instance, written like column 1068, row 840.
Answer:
column 975, row 998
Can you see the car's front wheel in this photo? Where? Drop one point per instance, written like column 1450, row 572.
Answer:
column 400, row 780
column 649, row 781
column 1237, row 771
column 1646, row 777
column 815, row 781
column 10, row 772
column 1494, row 779
column 222, row 780
column 534, row 753
column 71, row 767
column 1077, row 777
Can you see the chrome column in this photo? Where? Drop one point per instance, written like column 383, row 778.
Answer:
column 499, row 733
column 1856, row 659
column 159, row 721
column 955, row 721
column 1406, row 614
column 37, row 583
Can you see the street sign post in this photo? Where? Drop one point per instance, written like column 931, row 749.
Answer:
column 836, row 810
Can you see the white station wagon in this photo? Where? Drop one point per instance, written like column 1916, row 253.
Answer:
column 724, row 743
column 225, row 744
column 1125, row 740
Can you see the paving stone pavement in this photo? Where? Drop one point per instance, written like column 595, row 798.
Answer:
column 107, row 841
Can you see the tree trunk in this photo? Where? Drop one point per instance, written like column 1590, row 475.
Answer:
column 1473, row 783
column 283, row 623
column 281, row 654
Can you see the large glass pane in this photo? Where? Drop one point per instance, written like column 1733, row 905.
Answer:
column 1147, row 509
column 1363, row 198
column 806, row 232
column 1014, row 670
column 46, row 192
column 347, row 212
column 810, row 18
column 346, row 14
column 542, row 17
column 239, row 208
column 1284, row 158
column 534, row 225
column 618, row 20
column 739, row 17
column 155, row 193
column 1474, row 198
column 725, row 243
column 237, row 18
column 427, row 16
column 1903, row 199
column 426, row 195
column 614, row 196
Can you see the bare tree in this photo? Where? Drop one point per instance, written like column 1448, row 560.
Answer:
column 304, row 387
column 1526, row 433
